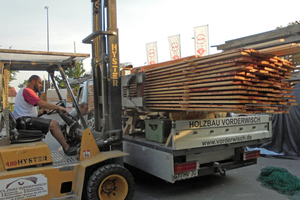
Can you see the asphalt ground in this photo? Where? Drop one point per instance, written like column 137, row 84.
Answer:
column 238, row 184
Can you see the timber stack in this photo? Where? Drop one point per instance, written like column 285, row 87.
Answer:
column 240, row 81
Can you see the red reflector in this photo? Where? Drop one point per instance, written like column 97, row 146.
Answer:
column 251, row 155
column 184, row 167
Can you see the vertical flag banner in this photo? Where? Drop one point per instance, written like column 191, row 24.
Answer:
column 151, row 49
column 201, row 40
column 174, row 44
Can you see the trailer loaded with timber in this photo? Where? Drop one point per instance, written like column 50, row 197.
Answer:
column 179, row 120
column 197, row 115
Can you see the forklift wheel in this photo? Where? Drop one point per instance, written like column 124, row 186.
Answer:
column 112, row 182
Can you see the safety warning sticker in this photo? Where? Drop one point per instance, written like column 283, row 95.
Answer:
column 23, row 187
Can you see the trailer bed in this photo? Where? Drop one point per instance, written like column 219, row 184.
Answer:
column 213, row 146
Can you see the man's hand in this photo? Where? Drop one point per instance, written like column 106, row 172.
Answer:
column 50, row 106
column 45, row 111
column 42, row 112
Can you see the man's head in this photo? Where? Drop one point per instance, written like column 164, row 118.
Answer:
column 84, row 109
column 35, row 83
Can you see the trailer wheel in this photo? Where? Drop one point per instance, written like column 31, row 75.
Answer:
column 112, row 182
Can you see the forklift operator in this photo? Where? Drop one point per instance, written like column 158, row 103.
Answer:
column 26, row 106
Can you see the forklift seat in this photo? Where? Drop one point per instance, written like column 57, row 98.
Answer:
column 23, row 135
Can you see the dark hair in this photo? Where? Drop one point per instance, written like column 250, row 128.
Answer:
column 33, row 77
column 83, row 104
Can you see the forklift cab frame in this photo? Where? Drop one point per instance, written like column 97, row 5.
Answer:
column 89, row 174
column 37, row 61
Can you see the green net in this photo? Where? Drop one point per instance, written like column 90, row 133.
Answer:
column 281, row 180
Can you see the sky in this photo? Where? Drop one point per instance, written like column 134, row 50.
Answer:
column 24, row 25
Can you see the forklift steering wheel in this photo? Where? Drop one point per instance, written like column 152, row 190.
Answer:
column 60, row 103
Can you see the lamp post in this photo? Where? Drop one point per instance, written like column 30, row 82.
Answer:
column 47, row 8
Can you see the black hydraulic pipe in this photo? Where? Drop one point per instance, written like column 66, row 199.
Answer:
column 63, row 75
column 55, row 85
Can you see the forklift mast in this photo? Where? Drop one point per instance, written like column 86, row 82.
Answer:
column 105, row 65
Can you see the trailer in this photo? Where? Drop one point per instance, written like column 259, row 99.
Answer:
column 173, row 148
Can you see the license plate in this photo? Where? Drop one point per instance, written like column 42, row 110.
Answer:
column 185, row 175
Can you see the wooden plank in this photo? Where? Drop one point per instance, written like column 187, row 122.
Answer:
column 206, row 93
column 230, row 106
column 203, row 102
column 212, row 81
column 212, row 59
column 199, row 68
column 205, row 97
column 194, row 75
column 165, row 64
column 202, row 64
column 235, row 110
column 193, row 78
column 204, row 86
column 182, row 61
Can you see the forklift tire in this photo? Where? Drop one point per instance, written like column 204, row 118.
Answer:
column 113, row 182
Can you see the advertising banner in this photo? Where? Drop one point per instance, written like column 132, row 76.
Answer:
column 201, row 40
column 174, row 45
column 151, row 49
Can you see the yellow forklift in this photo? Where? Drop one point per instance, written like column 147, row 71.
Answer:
column 28, row 169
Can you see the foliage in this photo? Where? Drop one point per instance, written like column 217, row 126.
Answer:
column 22, row 85
column 11, row 107
column 289, row 24
column 13, row 74
column 74, row 72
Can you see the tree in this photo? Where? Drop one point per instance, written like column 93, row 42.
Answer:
column 12, row 75
column 22, row 85
column 74, row 72
column 289, row 24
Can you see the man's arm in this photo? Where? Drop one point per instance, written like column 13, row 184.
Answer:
column 47, row 105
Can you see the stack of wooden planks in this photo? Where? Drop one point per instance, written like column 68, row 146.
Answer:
column 240, row 81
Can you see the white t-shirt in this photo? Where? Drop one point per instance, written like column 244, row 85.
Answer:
column 25, row 104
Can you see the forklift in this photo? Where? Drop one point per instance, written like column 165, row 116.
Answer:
column 28, row 169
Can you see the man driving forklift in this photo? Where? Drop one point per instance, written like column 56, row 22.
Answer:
column 26, row 106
